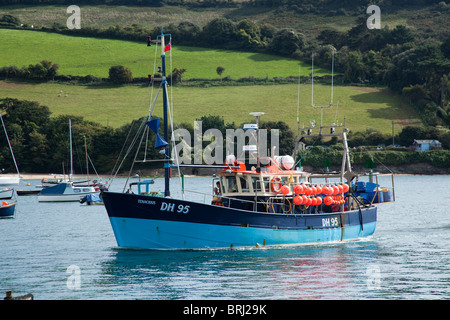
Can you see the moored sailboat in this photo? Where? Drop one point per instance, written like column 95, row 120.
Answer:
column 272, row 204
column 66, row 191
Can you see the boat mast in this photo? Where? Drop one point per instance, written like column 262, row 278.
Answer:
column 71, row 155
column 9, row 144
column 166, row 122
column 312, row 87
column 87, row 162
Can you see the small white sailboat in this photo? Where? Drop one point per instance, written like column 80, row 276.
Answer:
column 66, row 191
column 9, row 180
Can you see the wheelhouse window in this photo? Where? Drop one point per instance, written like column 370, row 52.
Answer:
column 244, row 184
column 266, row 183
column 231, row 184
column 256, row 184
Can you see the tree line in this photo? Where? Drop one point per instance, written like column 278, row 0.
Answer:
column 41, row 142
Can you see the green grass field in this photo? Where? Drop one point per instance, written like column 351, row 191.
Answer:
column 114, row 106
column 118, row 105
column 82, row 56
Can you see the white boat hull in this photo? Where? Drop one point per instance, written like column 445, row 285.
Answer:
column 8, row 181
column 61, row 197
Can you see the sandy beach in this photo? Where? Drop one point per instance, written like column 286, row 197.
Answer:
column 39, row 176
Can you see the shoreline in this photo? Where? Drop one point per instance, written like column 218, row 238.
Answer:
column 416, row 169
column 40, row 176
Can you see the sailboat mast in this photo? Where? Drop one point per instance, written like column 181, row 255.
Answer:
column 9, row 144
column 166, row 122
column 71, row 155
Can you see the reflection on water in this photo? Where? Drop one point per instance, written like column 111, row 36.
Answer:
column 408, row 257
column 290, row 273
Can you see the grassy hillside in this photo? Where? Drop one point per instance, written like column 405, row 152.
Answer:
column 83, row 56
column 115, row 106
column 424, row 19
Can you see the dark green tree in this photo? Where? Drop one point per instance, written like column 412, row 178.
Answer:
column 286, row 42
column 220, row 31
column 120, row 74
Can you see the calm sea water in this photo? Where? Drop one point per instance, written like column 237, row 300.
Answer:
column 68, row 251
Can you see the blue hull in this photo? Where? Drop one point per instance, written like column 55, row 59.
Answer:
column 7, row 211
column 159, row 223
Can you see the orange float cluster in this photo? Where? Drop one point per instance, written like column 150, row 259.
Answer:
column 316, row 195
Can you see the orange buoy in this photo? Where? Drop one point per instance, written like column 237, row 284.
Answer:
column 298, row 189
column 335, row 190
column 298, row 200
column 319, row 201
column 308, row 201
column 346, row 187
column 313, row 201
column 327, row 200
column 284, row 189
column 341, row 188
column 318, row 190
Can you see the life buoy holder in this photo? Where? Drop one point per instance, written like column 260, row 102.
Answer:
column 275, row 184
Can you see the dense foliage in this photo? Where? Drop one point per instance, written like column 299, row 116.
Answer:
column 41, row 142
column 320, row 157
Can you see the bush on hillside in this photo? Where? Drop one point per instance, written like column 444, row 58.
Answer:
column 120, row 74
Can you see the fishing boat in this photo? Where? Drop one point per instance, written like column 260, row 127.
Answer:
column 272, row 203
column 14, row 179
column 7, row 209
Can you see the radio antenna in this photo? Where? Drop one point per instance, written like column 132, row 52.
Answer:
column 312, row 87
column 298, row 99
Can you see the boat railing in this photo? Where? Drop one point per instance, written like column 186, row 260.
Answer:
column 277, row 204
column 380, row 193
column 208, row 198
